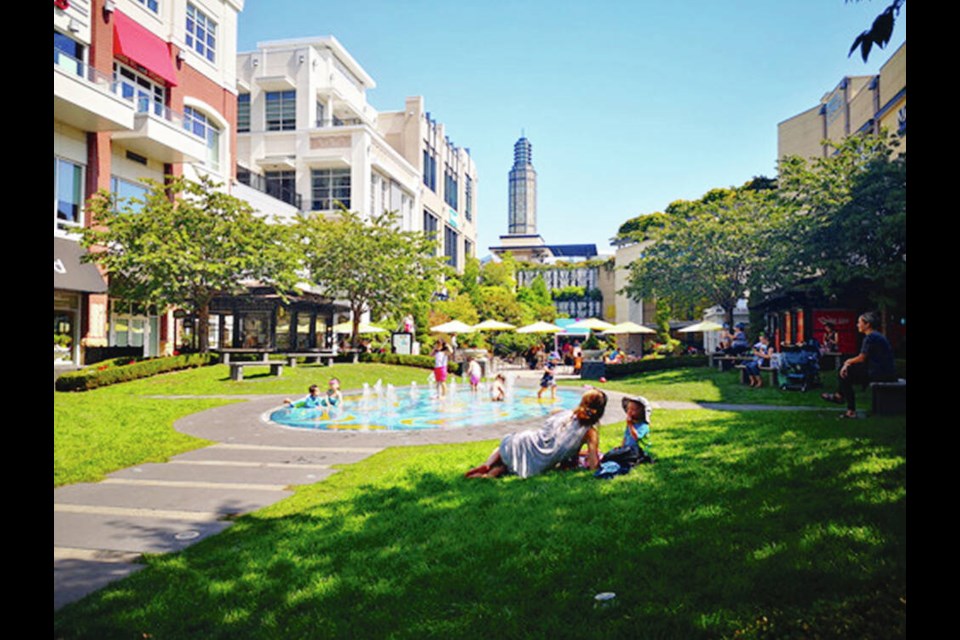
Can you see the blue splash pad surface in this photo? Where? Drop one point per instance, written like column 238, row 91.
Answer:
column 418, row 410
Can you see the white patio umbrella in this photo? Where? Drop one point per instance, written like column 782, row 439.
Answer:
column 493, row 325
column 594, row 324
column 628, row 327
column 706, row 325
column 454, row 326
column 540, row 327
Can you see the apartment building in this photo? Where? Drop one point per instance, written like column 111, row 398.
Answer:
column 858, row 104
column 142, row 89
column 308, row 136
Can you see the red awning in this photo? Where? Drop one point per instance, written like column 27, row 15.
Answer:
column 138, row 44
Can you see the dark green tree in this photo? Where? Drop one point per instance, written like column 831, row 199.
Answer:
column 185, row 243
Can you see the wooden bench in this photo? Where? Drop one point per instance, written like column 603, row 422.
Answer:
column 310, row 356
column 773, row 375
column 725, row 362
column 236, row 368
column 889, row 398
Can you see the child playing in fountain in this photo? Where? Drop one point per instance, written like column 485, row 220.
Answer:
column 474, row 372
column 498, row 391
column 548, row 381
column 333, row 397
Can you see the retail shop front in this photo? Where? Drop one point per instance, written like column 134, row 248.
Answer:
column 261, row 319
column 79, row 304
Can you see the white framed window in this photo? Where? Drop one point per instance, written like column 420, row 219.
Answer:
column 243, row 113
column 281, row 110
column 201, row 33
column 330, row 187
column 202, row 126
column 68, row 53
column 153, row 5
column 147, row 95
column 131, row 196
column 68, row 194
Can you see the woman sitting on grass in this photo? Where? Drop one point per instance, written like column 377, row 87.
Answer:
column 531, row 452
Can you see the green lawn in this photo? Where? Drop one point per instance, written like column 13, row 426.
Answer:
column 100, row 431
column 750, row 525
column 702, row 384
column 215, row 380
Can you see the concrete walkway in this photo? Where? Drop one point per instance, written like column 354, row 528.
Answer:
column 100, row 530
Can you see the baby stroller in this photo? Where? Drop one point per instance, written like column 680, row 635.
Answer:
column 800, row 367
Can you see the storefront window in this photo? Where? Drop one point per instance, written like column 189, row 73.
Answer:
column 303, row 330
column 255, row 330
column 63, row 327
column 283, row 329
column 321, row 332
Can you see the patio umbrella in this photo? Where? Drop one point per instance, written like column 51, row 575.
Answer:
column 628, row 327
column 365, row 327
column 493, row 325
column 454, row 326
column 540, row 327
column 594, row 324
column 706, row 325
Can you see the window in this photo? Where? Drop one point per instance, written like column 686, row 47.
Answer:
column 243, row 113
column 131, row 196
column 450, row 187
column 68, row 187
column 67, row 53
column 320, row 111
column 467, row 248
column 150, row 4
column 201, row 33
column 468, row 197
column 330, row 187
column 430, row 169
column 147, row 95
column 281, row 110
column 282, row 185
column 430, row 224
column 450, row 241
column 198, row 124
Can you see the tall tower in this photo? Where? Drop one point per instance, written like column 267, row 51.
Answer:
column 522, row 217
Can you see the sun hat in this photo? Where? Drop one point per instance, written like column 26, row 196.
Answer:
column 647, row 407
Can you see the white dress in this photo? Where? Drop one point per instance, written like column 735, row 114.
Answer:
column 531, row 452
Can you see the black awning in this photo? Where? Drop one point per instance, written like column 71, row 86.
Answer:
column 69, row 273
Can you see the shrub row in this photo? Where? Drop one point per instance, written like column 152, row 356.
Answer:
column 118, row 370
column 423, row 362
column 655, row 364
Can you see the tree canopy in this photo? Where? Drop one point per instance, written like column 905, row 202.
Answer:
column 370, row 263
column 185, row 243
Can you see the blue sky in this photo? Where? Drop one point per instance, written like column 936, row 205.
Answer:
column 628, row 105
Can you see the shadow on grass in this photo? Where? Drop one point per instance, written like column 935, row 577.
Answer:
column 747, row 526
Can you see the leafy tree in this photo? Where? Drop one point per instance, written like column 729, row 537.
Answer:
column 500, row 274
column 708, row 250
column 847, row 231
column 369, row 263
column 500, row 303
column 879, row 32
column 187, row 243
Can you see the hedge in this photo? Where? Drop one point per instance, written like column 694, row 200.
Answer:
column 118, row 370
column 656, row 364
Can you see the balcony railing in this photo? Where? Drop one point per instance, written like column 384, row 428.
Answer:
column 260, row 183
column 338, row 122
column 79, row 68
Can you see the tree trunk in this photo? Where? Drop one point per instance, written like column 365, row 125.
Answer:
column 203, row 327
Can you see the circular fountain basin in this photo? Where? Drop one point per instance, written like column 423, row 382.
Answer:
column 411, row 409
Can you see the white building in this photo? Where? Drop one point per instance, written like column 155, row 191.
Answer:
column 308, row 136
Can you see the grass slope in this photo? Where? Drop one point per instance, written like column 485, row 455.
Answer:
column 750, row 525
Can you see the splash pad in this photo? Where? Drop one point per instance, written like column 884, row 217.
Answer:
column 388, row 408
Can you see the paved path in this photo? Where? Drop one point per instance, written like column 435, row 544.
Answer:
column 101, row 529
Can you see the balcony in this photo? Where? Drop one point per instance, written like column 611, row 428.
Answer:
column 273, row 189
column 87, row 99
column 158, row 132
column 338, row 122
